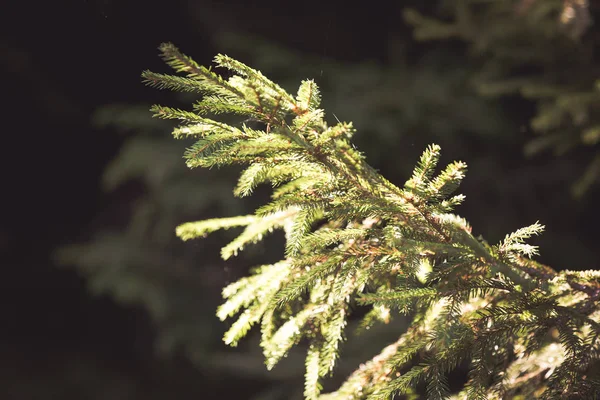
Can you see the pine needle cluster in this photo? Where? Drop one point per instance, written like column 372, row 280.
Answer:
column 356, row 240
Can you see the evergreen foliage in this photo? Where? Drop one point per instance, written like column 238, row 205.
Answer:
column 541, row 50
column 354, row 240
column 131, row 255
column 137, row 260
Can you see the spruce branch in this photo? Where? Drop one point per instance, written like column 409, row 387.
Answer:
column 354, row 238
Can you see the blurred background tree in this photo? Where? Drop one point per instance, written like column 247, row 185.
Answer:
column 536, row 50
column 102, row 185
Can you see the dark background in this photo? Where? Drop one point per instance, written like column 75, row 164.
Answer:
column 59, row 61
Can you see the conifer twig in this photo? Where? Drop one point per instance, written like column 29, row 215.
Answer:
column 352, row 237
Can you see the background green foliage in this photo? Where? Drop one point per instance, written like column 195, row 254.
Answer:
column 534, row 49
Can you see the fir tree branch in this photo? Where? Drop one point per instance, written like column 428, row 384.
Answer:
column 354, row 237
